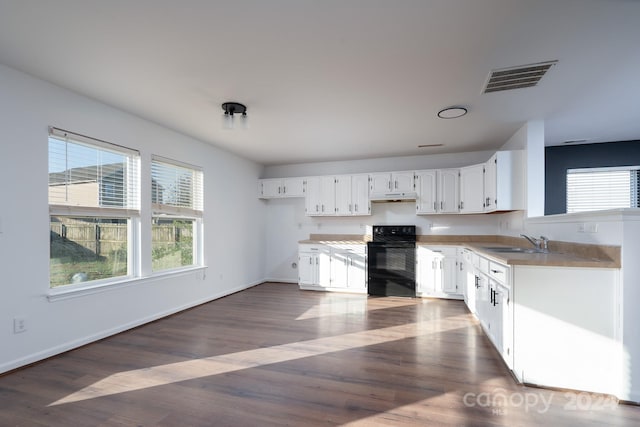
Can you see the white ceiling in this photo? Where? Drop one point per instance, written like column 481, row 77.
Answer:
column 340, row 79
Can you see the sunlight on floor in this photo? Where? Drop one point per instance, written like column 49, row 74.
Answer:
column 139, row 379
column 352, row 307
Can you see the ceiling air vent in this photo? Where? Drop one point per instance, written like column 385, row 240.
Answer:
column 517, row 77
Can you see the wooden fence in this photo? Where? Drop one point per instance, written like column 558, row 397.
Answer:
column 103, row 239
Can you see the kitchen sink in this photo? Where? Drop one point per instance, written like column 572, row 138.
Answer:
column 513, row 250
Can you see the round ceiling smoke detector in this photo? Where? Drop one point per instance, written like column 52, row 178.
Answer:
column 452, row 112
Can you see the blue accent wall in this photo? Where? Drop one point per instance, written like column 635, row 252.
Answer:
column 560, row 158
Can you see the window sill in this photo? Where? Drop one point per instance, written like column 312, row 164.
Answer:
column 64, row 293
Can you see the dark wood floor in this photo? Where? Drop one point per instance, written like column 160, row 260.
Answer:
column 274, row 355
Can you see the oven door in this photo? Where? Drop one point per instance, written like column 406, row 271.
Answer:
column 391, row 268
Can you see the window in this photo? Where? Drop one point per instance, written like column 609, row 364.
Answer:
column 93, row 207
column 176, row 196
column 602, row 188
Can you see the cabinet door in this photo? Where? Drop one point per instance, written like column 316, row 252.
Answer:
column 494, row 315
column 357, row 271
column 490, row 183
column 292, row 187
column 426, row 192
column 360, row 195
column 327, row 195
column 449, row 267
column 323, row 263
column 482, row 299
column 339, row 269
column 425, row 276
column 313, row 197
column 448, row 190
column 270, row 188
column 402, row 181
column 472, row 189
column 307, row 269
column 343, row 195
column 380, row 183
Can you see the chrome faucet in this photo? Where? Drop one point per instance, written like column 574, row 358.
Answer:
column 541, row 245
column 544, row 242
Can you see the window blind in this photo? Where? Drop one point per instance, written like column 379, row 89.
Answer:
column 176, row 188
column 92, row 174
column 597, row 189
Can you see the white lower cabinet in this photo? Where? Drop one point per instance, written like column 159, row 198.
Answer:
column 337, row 268
column 488, row 296
column 314, row 265
column 437, row 272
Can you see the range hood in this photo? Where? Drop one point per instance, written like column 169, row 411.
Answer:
column 396, row 196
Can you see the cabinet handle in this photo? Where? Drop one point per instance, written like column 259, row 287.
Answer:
column 322, row 208
column 441, row 267
column 441, row 205
column 477, row 281
column 461, row 205
column 310, row 261
column 396, row 184
column 492, row 295
column 496, row 271
column 284, row 190
column 350, row 210
column 356, row 206
column 278, row 190
column 316, row 208
column 435, row 206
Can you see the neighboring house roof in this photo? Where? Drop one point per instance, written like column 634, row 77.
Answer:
column 85, row 174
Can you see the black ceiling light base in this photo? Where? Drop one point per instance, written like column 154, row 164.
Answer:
column 233, row 108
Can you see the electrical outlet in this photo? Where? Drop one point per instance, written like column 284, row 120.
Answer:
column 581, row 228
column 591, row 228
column 19, row 325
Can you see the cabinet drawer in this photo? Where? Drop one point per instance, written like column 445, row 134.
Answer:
column 483, row 265
column 499, row 272
column 312, row 248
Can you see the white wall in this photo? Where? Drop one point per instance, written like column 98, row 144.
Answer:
column 387, row 164
column 234, row 223
column 530, row 138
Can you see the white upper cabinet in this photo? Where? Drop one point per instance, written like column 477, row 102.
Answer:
column 361, row 205
column 382, row 184
column 426, row 192
column 341, row 195
column 313, row 200
column 402, row 181
column 448, row 190
column 504, row 181
column 472, row 189
column 281, row 187
column 437, row 191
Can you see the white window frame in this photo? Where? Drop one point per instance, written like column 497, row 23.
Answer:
column 194, row 212
column 131, row 212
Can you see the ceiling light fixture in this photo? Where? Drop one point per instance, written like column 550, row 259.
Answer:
column 452, row 112
column 430, row 145
column 231, row 108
